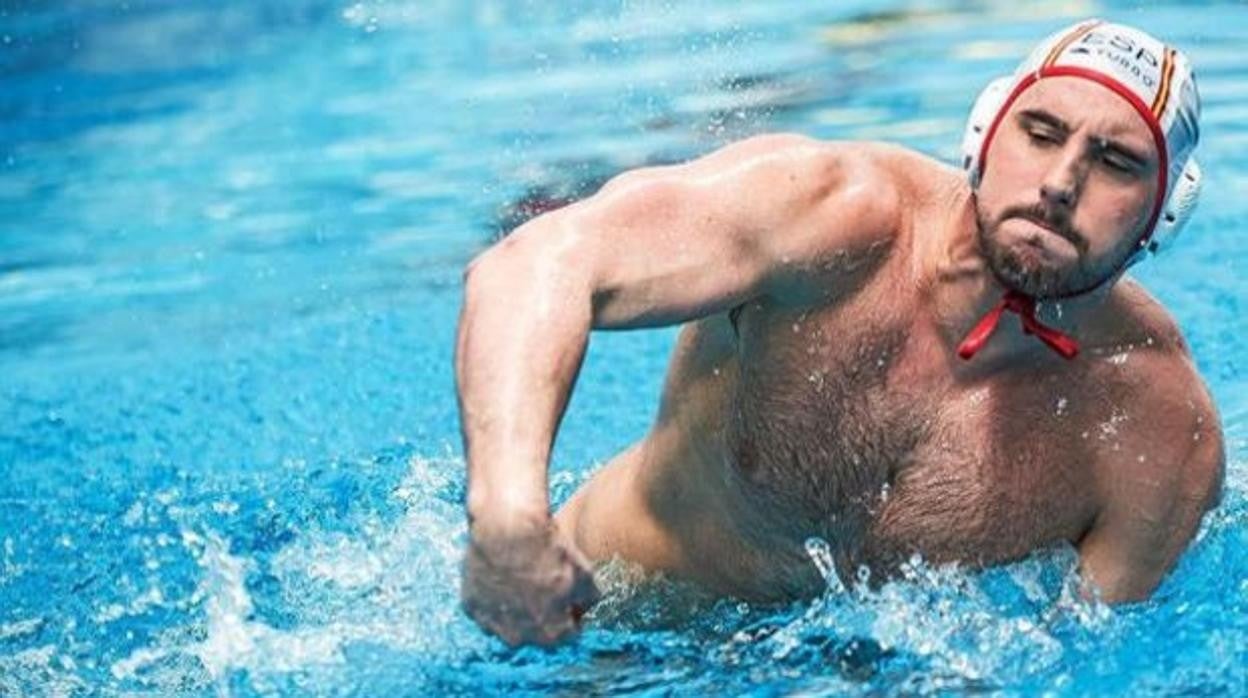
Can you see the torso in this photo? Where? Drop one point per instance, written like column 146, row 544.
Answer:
column 845, row 420
column 845, row 423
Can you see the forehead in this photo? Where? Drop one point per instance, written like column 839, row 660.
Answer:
column 1086, row 105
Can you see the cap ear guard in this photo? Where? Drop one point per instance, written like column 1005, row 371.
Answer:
column 983, row 112
column 1177, row 209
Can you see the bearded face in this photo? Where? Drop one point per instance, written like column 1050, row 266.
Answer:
column 1018, row 243
column 1067, row 188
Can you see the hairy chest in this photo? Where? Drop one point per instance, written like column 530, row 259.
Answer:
column 846, row 427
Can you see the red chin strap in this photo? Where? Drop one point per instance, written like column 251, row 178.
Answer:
column 1025, row 307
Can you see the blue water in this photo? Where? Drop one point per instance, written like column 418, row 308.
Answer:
column 231, row 237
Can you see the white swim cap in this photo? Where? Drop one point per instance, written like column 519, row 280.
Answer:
column 1154, row 78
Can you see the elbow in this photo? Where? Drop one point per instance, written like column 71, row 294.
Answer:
column 537, row 266
column 486, row 272
column 484, row 264
column 475, row 272
column 513, row 254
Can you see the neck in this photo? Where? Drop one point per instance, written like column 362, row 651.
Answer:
column 965, row 289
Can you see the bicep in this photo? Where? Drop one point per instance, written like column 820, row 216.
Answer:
column 666, row 248
column 664, row 245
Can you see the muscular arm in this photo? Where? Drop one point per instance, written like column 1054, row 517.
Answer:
column 1156, row 492
column 656, row 246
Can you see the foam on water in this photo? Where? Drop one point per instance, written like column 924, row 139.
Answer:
column 308, row 612
column 384, row 583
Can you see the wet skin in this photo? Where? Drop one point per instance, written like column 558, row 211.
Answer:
column 815, row 389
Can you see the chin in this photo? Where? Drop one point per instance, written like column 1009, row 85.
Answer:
column 1024, row 274
column 1026, row 271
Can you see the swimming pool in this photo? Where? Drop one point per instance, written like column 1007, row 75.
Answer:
column 231, row 237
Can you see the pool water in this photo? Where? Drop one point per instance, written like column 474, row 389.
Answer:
column 231, row 240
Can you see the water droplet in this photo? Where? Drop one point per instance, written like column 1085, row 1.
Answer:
column 863, row 575
column 821, row 554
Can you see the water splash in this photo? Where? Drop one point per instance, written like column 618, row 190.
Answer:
column 325, row 595
column 821, row 554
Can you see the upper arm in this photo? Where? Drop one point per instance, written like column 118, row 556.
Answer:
column 1155, row 493
column 666, row 244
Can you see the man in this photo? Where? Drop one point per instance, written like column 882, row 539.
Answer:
column 850, row 369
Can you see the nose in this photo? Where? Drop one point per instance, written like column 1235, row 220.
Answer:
column 1063, row 180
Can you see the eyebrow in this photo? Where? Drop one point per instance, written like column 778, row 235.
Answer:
column 1048, row 119
column 1105, row 144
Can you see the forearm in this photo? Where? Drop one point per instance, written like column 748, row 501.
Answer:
column 522, row 335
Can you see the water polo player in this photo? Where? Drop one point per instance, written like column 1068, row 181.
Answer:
column 877, row 352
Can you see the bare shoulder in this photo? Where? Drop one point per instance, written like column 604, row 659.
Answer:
column 807, row 200
column 1132, row 313
column 772, row 178
column 790, row 210
column 1145, row 364
column 808, row 176
column 1161, row 462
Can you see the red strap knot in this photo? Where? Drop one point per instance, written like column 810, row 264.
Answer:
column 1025, row 308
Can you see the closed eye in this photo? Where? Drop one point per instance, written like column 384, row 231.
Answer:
column 1042, row 128
column 1119, row 160
column 1120, row 165
column 1116, row 163
column 1043, row 137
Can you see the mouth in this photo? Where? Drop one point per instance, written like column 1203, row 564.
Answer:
column 1039, row 242
column 1043, row 225
column 1045, row 229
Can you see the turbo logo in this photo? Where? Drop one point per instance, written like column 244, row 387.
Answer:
column 1137, row 61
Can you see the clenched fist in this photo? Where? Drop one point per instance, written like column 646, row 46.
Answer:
column 527, row 583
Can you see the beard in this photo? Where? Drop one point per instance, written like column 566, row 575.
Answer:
column 1029, row 275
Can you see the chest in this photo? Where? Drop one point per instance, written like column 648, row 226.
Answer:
column 850, row 423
